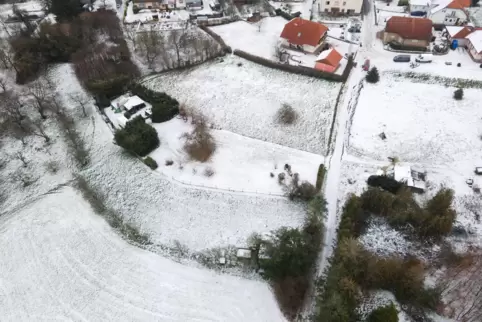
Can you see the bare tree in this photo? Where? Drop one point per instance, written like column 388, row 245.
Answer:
column 180, row 39
column 259, row 24
column 81, row 100
column 151, row 45
column 20, row 156
column 22, row 16
column 7, row 56
column 3, row 84
column 11, row 110
column 131, row 34
column 36, row 128
column 40, row 92
column 278, row 52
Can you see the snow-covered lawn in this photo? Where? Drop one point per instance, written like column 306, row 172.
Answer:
column 60, row 261
column 259, row 38
column 422, row 123
column 244, row 99
column 239, row 163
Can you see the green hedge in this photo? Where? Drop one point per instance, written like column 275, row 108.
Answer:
column 151, row 163
column 137, row 137
column 320, row 177
column 164, row 107
column 386, row 313
column 109, row 88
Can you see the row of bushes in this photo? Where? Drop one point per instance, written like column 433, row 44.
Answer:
column 320, row 177
column 291, row 256
column 218, row 38
column 164, row 107
column 301, row 70
column 285, row 15
column 353, row 269
column 433, row 220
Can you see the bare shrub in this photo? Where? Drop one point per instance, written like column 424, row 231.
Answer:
column 271, row 174
column 281, row 177
column 169, row 163
column 304, row 191
column 200, row 144
column 209, row 172
column 52, row 166
column 286, row 115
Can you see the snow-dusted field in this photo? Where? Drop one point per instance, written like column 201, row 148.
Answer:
column 258, row 38
column 244, row 99
column 239, row 163
column 169, row 211
column 422, row 123
column 60, row 261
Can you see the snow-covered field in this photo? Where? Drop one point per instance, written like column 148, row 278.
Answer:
column 258, row 38
column 243, row 97
column 422, row 123
column 60, row 261
column 239, row 163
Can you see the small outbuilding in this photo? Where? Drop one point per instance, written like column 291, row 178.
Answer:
column 328, row 60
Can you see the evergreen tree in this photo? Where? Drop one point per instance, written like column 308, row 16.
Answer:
column 372, row 76
column 64, row 10
column 459, row 94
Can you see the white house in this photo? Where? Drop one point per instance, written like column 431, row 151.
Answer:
column 474, row 45
column 340, row 7
column 448, row 12
column 414, row 179
column 460, row 34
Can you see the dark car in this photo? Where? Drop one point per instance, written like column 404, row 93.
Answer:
column 401, row 58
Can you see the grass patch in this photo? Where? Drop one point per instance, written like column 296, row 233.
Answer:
column 446, row 81
column 97, row 201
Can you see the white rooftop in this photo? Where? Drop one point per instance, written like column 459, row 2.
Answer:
column 404, row 174
column 453, row 30
column 243, row 253
column 439, row 5
column 324, row 54
column 133, row 101
column 476, row 39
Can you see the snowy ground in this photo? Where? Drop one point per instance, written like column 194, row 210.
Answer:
column 258, row 38
column 67, row 263
column 422, row 123
column 244, row 100
column 239, row 163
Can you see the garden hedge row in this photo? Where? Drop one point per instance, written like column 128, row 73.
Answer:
column 164, row 107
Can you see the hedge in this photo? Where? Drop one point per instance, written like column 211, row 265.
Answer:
column 151, row 163
column 137, row 137
column 320, row 177
column 164, row 107
column 111, row 87
column 301, row 70
column 284, row 14
column 386, row 313
column 218, row 38
column 384, row 182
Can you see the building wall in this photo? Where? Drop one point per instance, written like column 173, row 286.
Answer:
column 341, row 6
column 462, row 42
column 389, row 37
column 475, row 55
column 304, row 48
column 449, row 17
column 415, row 7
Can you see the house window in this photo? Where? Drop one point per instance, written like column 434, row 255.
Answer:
column 328, row 2
column 299, row 34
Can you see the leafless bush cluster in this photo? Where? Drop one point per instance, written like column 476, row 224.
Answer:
column 200, row 144
column 176, row 48
column 463, row 288
column 303, row 191
column 286, row 115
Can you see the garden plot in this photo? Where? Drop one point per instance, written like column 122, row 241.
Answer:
column 258, row 38
column 238, row 164
column 169, row 211
column 422, row 123
column 66, row 263
column 242, row 97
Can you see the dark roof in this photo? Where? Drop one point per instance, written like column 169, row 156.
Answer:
column 410, row 28
column 303, row 32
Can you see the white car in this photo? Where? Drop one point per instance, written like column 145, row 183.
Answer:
column 424, row 58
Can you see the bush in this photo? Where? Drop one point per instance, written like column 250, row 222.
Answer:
column 386, row 313
column 304, row 191
column 135, row 9
column 110, row 87
column 320, row 177
column 458, row 94
column 384, row 182
column 151, row 163
column 353, row 219
column 372, row 75
column 286, row 115
column 403, row 2
column 137, row 137
column 164, row 107
column 200, row 144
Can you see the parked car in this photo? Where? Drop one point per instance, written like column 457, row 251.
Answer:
column 478, row 170
column 424, row 58
column 401, row 58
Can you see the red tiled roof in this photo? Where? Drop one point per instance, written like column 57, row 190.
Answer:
column 332, row 59
column 303, row 32
column 465, row 3
column 410, row 28
column 463, row 33
column 456, row 4
column 325, row 68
